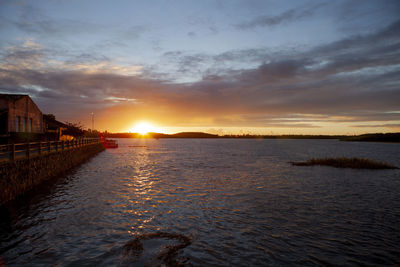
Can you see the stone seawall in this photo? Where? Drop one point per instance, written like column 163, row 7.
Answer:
column 22, row 175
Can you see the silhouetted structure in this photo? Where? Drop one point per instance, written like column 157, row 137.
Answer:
column 20, row 119
column 53, row 128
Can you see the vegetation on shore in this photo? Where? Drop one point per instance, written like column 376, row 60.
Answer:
column 343, row 162
column 388, row 137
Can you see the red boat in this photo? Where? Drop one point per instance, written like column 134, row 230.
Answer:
column 108, row 143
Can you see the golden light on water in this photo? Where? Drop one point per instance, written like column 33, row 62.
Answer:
column 144, row 128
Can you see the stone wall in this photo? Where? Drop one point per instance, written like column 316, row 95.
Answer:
column 20, row 176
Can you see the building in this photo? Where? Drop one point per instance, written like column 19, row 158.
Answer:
column 53, row 128
column 20, row 118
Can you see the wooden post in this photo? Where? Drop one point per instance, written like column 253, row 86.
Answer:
column 12, row 155
column 40, row 148
column 48, row 147
column 62, row 145
column 28, row 150
column 56, row 146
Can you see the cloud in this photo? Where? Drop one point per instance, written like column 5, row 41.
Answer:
column 353, row 80
column 188, row 66
column 66, row 33
column 33, row 21
column 288, row 16
column 32, row 56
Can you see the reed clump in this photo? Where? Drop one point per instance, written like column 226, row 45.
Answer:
column 344, row 162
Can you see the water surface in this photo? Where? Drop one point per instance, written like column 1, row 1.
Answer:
column 240, row 202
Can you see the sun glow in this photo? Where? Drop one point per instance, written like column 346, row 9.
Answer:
column 144, row 128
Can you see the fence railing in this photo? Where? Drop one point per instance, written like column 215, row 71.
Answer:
column 11, row 152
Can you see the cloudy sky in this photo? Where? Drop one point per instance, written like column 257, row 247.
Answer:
column 222, row 66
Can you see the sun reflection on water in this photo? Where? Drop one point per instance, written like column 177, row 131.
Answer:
column 138, row 190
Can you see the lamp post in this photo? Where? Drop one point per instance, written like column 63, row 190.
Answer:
column 92, row 121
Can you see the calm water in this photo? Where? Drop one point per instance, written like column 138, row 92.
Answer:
column 240, row 202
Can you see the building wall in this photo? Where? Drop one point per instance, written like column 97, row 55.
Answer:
column 30, row 117
column 3, row 104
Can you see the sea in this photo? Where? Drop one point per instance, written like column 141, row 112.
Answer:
column 211, row 202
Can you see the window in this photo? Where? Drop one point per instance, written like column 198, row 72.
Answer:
column 23, row 122
column 17, row 121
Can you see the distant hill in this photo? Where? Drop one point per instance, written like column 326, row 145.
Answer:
column 193, row 135
column 376, row 137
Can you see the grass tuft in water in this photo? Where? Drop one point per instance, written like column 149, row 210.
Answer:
column 343, row 162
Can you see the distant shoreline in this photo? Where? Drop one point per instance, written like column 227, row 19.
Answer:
column 376, row 137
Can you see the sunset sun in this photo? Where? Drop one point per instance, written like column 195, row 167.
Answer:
column 144, row 128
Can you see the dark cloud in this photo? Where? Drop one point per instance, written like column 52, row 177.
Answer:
column 248, row 55
column 350, row 15
column 213, row 29
column 191, row 34
column 134, row 32
column 86, row 58
column 290, row 15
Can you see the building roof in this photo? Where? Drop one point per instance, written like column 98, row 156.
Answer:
column 15, row 97
column 12, row 97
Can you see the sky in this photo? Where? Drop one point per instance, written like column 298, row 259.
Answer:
column 220, row 66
